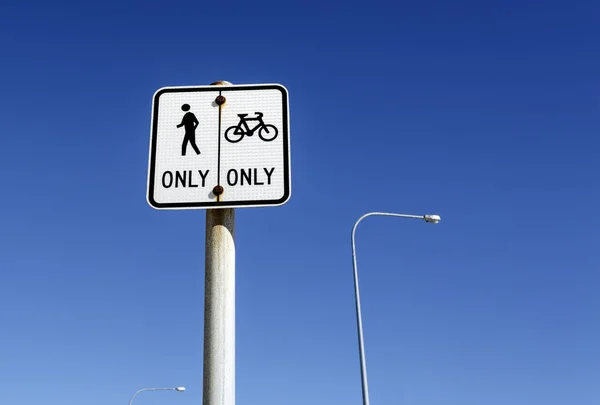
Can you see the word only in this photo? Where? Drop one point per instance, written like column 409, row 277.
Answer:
column 234, row 177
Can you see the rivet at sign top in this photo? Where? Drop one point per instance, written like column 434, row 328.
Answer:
column 218, row 190
column 220, row 100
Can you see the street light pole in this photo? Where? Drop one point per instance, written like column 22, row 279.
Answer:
column 179, row 389
column 434, row 219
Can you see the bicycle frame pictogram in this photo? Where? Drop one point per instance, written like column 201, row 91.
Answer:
column 236, row 133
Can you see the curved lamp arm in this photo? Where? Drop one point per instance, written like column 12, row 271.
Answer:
column 180, row 389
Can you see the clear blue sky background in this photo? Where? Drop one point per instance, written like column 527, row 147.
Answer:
column 483, row 112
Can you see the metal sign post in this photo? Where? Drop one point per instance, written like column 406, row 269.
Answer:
column 219, row 147
column 219, row 309
column 218, row 383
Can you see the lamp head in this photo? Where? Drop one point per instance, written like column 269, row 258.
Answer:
column 180, row 389
column 432, row 219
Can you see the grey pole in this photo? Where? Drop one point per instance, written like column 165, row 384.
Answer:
column 219, row 307
column 181, row 389
column 361, row 345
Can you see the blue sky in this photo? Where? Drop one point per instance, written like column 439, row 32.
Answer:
column 484, row 113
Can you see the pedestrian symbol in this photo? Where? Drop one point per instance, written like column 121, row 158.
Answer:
column 190, row 122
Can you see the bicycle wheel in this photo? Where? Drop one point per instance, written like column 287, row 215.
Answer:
column 234, row 135
column 267, row 132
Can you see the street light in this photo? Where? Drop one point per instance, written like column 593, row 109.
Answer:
column 179, row 389
column 432, row 219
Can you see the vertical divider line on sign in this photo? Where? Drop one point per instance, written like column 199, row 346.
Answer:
column 219, row 150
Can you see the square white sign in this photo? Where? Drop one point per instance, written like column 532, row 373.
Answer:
column 219, row 146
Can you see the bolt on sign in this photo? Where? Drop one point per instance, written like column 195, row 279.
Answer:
column 219, row 146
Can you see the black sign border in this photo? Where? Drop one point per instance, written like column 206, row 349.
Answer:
column 222, row 204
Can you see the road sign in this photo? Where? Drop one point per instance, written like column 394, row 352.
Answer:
column 219, row 146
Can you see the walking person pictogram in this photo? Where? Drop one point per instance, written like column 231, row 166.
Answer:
column 190, row 122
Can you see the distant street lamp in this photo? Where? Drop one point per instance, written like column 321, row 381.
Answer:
column 180, row 389
column 433, row 219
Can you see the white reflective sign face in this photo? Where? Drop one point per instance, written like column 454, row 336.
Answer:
column 219, row 146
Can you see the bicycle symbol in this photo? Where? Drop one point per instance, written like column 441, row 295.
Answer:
column 236, row 133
